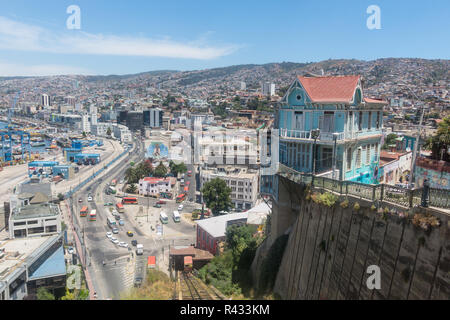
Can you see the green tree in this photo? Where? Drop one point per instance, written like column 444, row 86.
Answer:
column 44, row 294
column 177, row 168
column 439, row 144
column 60, row 197
column 160, row 170
column 217, row 195
column 390, row 140
column 108, row 132
column 132, row 188
column 69, row 295
column 84, row 134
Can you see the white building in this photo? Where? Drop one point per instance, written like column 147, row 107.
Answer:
column 156, row 118
column 93, row 113
column 122, row 133
column 242, row 86
column 153, row 186
column 85, row 124
column 268, row 89
column 34, row 216
column 242, row 181
column 45, row 100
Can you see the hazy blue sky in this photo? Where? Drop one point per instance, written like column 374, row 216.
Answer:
column 119, row 37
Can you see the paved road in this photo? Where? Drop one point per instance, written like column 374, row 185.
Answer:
column 122, row 265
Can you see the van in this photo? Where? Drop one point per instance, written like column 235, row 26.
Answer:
column 176, row 216
column 163, row 217
column 140, row 249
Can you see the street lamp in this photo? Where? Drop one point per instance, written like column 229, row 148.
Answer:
column 335, row 136
column 314, row 135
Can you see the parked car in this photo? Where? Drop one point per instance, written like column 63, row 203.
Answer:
column 108, row 204
column 109, row 235
column 134, row 242
column 157, row 205
column 115, row 231
column 121, row 222
column 116, row 241
column 180, row 207
column 89, row 199
column 117, row 216
column 161, row 202
column 123, row 244
column 130, row 234
column 80, row 200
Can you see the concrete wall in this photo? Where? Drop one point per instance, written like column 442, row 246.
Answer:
column 329, row 250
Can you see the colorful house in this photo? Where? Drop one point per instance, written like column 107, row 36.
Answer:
column 349, row 126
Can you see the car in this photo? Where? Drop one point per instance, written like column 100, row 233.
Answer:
column 123, row 244
column 114, row 212
column 109, row 235
column 89, row 199
column 115, row 241
column 70, row 250
column 157, row 205
column 137, row 282
column 180, row 207
column 117, row 216
column 80, row 200
column 121, row 222
column 115, row 231
column 134, row 242
column 113, row 238
column 130, row 234
column 108, row 204
column 161, row 202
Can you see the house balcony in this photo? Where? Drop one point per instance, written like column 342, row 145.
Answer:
column 326, row 137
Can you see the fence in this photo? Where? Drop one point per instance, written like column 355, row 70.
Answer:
column 409, row 198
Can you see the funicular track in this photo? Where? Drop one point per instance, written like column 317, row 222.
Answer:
column 193, row 288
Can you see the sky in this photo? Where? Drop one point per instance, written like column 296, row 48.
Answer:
column 125, row 37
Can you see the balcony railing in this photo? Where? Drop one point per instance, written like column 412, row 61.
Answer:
column 408, row 198
column 297, row 134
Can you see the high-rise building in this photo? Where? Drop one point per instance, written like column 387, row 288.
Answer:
column 45, row 100
column 156, row 118
column 93, row 113
column 268, row 89
column 243, row 86
column 85, row 125
column 70, row 100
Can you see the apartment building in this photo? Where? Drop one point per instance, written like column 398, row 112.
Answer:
column 242, row 181
column 154, row 186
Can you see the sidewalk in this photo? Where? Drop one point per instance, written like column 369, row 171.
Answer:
column 71, row 234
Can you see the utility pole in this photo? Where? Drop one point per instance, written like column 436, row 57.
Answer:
column 416, row 144
column 335, row 136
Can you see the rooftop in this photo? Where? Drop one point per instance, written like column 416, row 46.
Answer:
column 330, row 89
column 35, row 211
column 216, row 226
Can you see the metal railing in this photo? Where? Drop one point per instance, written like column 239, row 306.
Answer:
column 409, row 198
column 298, row 134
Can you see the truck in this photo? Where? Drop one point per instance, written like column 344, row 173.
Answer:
column 140, row 249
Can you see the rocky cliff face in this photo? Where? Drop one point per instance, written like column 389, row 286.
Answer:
column 330, row 249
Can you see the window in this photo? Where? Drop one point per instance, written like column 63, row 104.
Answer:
column 49, row 229
column 240, row 183
column 368, row 149
column 16, row 224
column 240, row 189
column 358, row 158
column 349, row 159
column 32, row 222
column 376, row 151
column 299, row 97
column 36, row 230
column 240, row 196
column 360, row 119
column 378, row 119
column 370, row 120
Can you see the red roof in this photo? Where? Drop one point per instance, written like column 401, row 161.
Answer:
column 151, row 261
column 155, row 180
column 330, row 89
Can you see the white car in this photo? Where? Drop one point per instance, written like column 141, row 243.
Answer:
column 180, row 207
column 89, row 199
column 109, row 235
column 114, row 212
column 115, row 241
column 123, row 244
column 70, row 251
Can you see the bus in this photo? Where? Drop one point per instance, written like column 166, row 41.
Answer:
column 181, row 198
column 176, row 216
column 112, row 190
column 186, row 189
column 111, row 221
column 129, row 200
column 189, row 173
column 163, row 217
column 114, row 183
column 182, row 182
column 120, row 208
column 84, row 211
column 93, row 215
